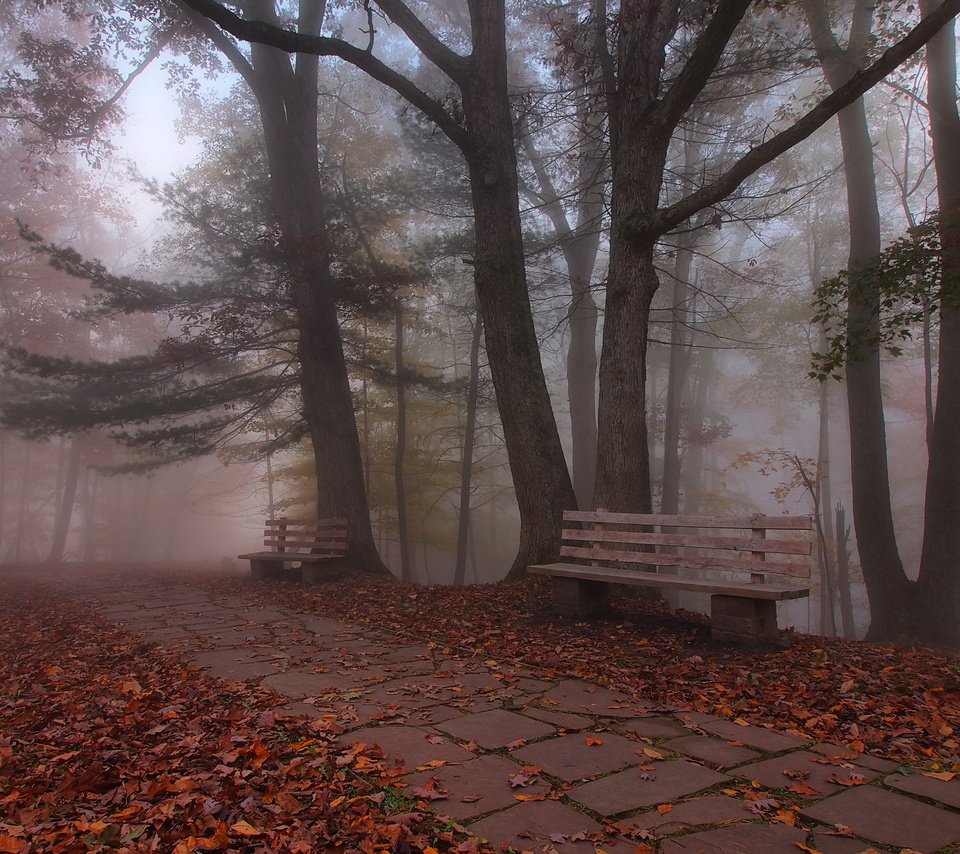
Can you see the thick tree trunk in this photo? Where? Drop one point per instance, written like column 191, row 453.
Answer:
column 287, row 98
column 537, row 463
column 403, row 534
column 582, row 370
column 466, row 458
column 67, row 498
column 676, row 379
column 939, row 580
column 623, row 455
column 887, row 585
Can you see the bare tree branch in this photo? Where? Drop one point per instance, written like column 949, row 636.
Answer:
column 667, row 218
column 293, row 42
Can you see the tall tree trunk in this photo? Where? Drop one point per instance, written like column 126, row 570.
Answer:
column 939, row 579
column 841, row 540
column 287, row 98
column 692, row 473
column 537, row 463
column 22, row 505
column 824, row 503
column 887, row 585
column 68, row 497
column 403, row 534
column 466, row 458
column 676, row 378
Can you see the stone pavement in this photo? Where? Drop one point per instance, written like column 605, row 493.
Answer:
column 550, row 764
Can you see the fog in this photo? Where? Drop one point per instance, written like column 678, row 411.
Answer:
column 153, row 405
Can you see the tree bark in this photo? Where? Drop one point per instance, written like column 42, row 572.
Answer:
column 466, row 458
column 939, row 579
column 287, row 98
column 68, row 497
column 676, row 378
column 403, row 534
column 887, row 585
column 537, row 464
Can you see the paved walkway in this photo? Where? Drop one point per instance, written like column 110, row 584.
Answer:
column 538, row 764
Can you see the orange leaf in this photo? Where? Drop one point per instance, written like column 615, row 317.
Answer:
column 12, row 845
column 664, row 808
column 807, row 848
column 242, row 828
column 593, row 742
column 946, row 776
column 653, row 754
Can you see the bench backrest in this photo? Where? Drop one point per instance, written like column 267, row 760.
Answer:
column 738, row 543
column 302, row 536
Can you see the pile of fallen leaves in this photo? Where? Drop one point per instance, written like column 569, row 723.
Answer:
column 110, row 743
column 899, row 703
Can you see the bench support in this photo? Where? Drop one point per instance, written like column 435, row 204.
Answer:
column 737, row 619
column 579, row 598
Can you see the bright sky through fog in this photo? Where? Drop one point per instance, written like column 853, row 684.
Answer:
column 150, row 139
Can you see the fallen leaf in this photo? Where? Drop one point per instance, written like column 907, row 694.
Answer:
column 593, row 741
column 946, row 776
column 243, row 828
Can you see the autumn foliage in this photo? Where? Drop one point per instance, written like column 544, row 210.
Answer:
column 107, row 743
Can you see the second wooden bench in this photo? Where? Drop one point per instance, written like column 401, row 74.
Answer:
column 631, row 548
column 308, row 544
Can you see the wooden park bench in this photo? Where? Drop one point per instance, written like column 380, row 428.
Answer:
column 299, row 543
column 725, row 557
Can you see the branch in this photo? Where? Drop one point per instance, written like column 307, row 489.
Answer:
column 670, row 217
column 292, row 42
column 450, row 62
column 703, row 60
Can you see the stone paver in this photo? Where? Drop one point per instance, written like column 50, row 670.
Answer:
column 571, row 757
column 716, row 751
column 659, row 783
column 496, row 728
column 713, row 809
column 408, row 746
column 572, row 695
column 532, row 825
column 888, row 818
column 652, row 727
column 754, row 736
column 802, row 767
column 738, row 839
column 944, row 791
column 561, row 720
column 475, row 787
column 415, row 702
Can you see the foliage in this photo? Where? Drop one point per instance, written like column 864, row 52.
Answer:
column 110, row 743
column 905, row 280
column 892, row 701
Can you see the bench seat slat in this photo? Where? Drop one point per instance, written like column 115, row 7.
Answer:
column 640, row 578
column 747, row 544
column 783, row 523
column 294, row 543
column 795, row 570
column 306, row 523
column 289, row 556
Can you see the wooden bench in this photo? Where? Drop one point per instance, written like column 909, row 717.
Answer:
column 307, row 544
column 629, row 548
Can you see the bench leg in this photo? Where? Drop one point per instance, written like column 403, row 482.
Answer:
column 260, row 569
column 266, row 569
column 579, row 598
column 740, row 620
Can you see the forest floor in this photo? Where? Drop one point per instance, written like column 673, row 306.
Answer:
column 901, row 703
column 111, row 739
